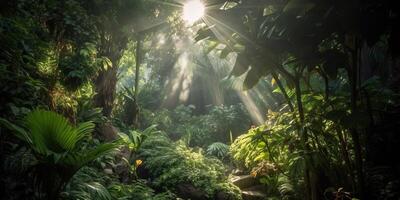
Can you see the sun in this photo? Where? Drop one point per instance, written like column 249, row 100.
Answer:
column 193, row 10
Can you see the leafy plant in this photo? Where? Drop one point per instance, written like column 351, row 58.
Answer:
column 56, row 146
column 173, row 163
column 133, row 140
column 219, row 150
column 138, row 190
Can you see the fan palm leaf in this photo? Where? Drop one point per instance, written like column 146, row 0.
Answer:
column 54, row 142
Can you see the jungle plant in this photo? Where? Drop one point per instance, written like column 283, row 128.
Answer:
column 291, row 39
column 173, row 163
column 88, row 183
column 133, row 140
column 219, row 150
column 56, row 145
column 138, row 190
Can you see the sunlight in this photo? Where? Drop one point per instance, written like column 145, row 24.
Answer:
column 179, row 85
column 193, row 11
column 251, row 107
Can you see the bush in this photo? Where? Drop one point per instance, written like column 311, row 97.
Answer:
column 172, row 164
column 219, row 150
column 200, row 130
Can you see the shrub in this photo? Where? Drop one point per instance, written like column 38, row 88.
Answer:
column 219, row 150
column 173, row 163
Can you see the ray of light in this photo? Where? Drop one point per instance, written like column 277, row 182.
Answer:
column 193, row 10
column 178, row 85
column 211, row 21
column 169, row 3
column 251, row 107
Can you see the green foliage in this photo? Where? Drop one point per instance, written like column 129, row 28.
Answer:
column 133, row 140
column 55, row 144
column 91, row 183
column 138, row 190
column 172, row 163
column 219, row 150
column 272, row 152
column 80, row 66
column 86, row 112
column 22, row 86
column 87, row 183
column 201, row 130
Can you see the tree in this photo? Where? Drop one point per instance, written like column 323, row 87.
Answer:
column 296, row 37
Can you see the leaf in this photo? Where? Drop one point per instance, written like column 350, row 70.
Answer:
column 106, row 63
column 252, row 78
column 241, row 65
column 203, row 33
column 211, row 46
column 18, row 131
column 225, row 52
column 228, row 5
column 98, row 190
column 298, row 7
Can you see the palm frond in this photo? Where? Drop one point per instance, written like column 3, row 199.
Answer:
column 18, row 131
column 50, row 132
column 218, row 149
column 79, row 159
column 97, row 190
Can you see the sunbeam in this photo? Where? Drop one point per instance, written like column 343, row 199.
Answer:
column 193, row 10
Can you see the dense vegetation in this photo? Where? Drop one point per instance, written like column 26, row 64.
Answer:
column 156, row 100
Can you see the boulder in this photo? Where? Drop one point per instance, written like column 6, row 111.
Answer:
column 188, row 191
column 243, row 181
column 238, row 172
column 253, row 195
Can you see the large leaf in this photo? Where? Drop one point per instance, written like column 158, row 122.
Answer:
column 241, row 65
column 79, row 159
column 52, row 132
column 18, row 131
column 252, row 78
column 298, row 7
column 204, row 33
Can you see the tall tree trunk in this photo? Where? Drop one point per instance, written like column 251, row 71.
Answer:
column 112, row 46
column 137, row 79
column 353, row 77
column 105, row 86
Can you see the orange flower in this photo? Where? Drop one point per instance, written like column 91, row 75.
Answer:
column 138, row 162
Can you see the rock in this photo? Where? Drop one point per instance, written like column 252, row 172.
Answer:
column 108, row 171
column 123, row 172
column 222, row 196
column 188, row 191
column 238, row 172
column 253, row 195
column 244, row 181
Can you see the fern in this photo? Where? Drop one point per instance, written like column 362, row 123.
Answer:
column 219, row 150
column 172, row 163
